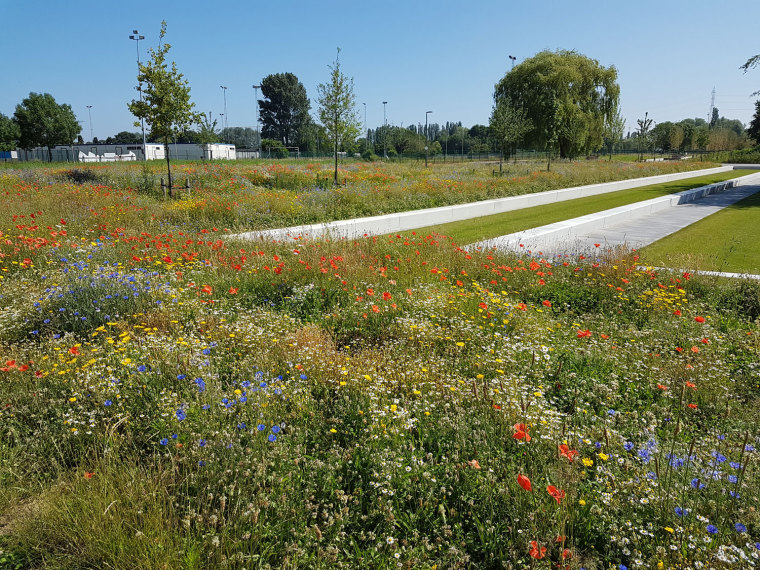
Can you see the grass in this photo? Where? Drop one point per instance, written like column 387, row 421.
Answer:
column 486, row 227
column 171, row 397
column 728, row 241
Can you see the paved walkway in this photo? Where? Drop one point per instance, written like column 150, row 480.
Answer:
column 631, row 234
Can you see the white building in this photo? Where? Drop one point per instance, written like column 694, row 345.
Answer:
column 128, row 152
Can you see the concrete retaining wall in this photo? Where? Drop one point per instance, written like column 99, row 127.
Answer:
column 403, row 221
column 568, row 229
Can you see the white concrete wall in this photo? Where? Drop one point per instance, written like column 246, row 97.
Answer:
column 403, row 221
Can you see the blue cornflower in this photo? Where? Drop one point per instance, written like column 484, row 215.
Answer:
column 652, row 475
column 623, row 567
column 241, row 425
column 263, row 385
column 712, row 529
column 681, row 512
column 243, row 399
column 107, row 403
column 732, row 479
column 201, row 384
column 202, row 443
column 749, row 447
column 201, row 463
column 206, row 351
column 719, row 457
column 174, row 436
column 598, row 444
column 205, row 406
column 628, row 445
column 644, row 455
column 275, row 429
column 245, row 384
column 735, row 465
column 181, row 415
column 142, row 368
column 164, row 441
column 261, row 427
column 303, row 376
column 740, row 527
column 272, row 437
column 611, row 412
column 697, row 484
column 181, row 376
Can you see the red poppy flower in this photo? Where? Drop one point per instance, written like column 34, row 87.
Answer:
column 691, row 385
column 535, row 551
column 207, row 289
column 375, row 309
column 88, row 475
column 693, row 406
column 661, row 387
column 557, row 494
column 521, row 432
column 565, row 451
column 524, row 482
column 677, row 313
column 699, row 319
column 233, row 291
column 387, row 296
column 546, row 303
column 583, row 334
column 74, row 350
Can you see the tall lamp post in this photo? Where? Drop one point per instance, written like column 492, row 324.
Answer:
column 513, row 58
column 366, row 131
column 385, row 132
column 426, row 137
column 224, row 90
column 137, row 37
column 89, row 113
column 258, row 136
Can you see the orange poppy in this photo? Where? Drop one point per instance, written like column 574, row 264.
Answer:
column 535, row 551
column 557, row 494
column 521, row 432
column 524, row 482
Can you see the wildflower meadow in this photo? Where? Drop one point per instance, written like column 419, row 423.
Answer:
column 172, row 396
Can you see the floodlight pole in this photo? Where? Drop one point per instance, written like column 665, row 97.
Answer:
column 224, row 90
column 137, row 37
column 89, row 113
column 385, row 132
column 426, row 137
column 258, row 136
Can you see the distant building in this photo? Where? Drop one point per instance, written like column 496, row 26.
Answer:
column 129, row 152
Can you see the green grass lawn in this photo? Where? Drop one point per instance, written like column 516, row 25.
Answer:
column 725, row 241
column 477, row 229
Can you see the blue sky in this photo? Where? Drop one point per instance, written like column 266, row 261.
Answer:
column 418, row 55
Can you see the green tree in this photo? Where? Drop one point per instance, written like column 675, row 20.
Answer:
column 337, row 110
column 614, row 129
column 753, row 131
column 284, row 111
column 752, row 62
column 567, row 96
column 9, row 133
column 43, row 122
column 166, row 105
column 125, row 137
column 509, row 125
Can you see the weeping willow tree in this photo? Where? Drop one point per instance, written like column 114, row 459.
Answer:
column 567, row 97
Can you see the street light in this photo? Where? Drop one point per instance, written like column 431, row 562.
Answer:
column 385, row 132
column 513, row 58
column 89, row 112
column 258, row 136
column 366, row 130
column 426, row 137
column 224, row 90
column 137, row 37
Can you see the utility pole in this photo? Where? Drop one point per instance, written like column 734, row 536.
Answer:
column 258, row 136
column 426, row 137
column 385, row 132
column 224, row 90
column 137, row 37
column 89, row 113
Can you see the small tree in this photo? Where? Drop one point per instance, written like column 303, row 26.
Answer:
column 614, row 129
column 509, row 125
column 43, row 122
column 9, row 133
column 166, row 105
column 337, row 110
column 753, row 131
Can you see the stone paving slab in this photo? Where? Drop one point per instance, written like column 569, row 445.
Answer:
column 631, row 227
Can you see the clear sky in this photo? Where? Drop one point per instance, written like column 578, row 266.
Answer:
column 418, row 55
